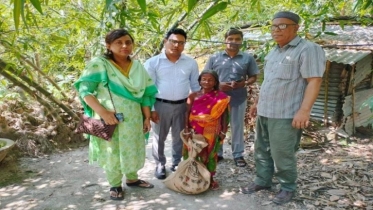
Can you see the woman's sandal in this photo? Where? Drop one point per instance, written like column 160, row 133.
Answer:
column 116, row 193
column 140, row 183
column 214, row 185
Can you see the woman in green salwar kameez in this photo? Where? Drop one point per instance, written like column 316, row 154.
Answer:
column 133, row 93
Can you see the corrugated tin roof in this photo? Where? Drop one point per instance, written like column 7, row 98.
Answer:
column 346, row 35
column 345, row 56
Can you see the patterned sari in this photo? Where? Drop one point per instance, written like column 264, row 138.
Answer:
column 126, row 151
column 205, row 118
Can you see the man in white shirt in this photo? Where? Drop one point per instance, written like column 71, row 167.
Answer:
column 174, row 74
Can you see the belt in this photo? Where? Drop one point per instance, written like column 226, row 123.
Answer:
column 171, row 102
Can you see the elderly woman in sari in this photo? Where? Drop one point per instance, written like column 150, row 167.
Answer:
column 207, row 114
column 111, row 82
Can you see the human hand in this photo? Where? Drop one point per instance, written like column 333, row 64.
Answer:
column 225, row 86
column 109, row 117
column 239, row 84
column 187, row 133
column 187, row 136
column 154, row 117
column 146, row 126
column 222, row 136
column 301, row 119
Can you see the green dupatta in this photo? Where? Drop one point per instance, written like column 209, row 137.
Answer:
column 138, row 87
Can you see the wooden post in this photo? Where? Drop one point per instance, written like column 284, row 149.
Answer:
column 353, row 97
column 326, row 85
column 371, row 78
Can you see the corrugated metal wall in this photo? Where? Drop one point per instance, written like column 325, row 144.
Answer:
column 339, row 82
column 331, row 93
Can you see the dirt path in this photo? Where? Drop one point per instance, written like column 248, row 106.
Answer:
column 67, row 181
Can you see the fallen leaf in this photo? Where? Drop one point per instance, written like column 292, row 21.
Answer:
column 316, row 188
column 337, row 192
column 326, row 175
column 352, row 183
column 334, row 198
column 266, row 203
column 359, row 204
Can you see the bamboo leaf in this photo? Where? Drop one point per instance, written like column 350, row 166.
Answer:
column 213, row 10
column 18, row 6
column 318, row 34
column 357, row 4
column 367, row 4
column 108, row 3
column 254, row 2
column 36, row 4
column 58, row 39
column 330, row 33
column 191, row 4
column 342, row 24
column 23, row 14
column 142, row 4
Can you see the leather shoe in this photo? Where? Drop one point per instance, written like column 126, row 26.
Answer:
column 251, row 188
column 173, row 167
column 240, row 162
column 283, row 197
column 160, row 172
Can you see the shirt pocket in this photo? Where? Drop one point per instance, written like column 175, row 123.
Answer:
column 288, row 69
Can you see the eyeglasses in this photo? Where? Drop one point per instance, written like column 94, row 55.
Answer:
column 174, row 42
column 281, row 26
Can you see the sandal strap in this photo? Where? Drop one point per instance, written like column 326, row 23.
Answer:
column 119, row 194
column 116, row 189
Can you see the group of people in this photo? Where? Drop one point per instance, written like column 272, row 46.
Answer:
column 168, row 92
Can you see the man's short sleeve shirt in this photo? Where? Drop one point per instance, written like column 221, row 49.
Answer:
column 233, row 69
column 285, row 73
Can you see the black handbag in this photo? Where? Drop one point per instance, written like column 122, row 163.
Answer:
column 96, row 127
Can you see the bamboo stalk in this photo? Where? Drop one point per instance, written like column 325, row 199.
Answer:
column 37, row 69
column 33, row 84
column 30, row 92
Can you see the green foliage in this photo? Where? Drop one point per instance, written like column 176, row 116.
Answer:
column 57, row 37
column 58, row 40
column 191, row 4
column 214, row 10
column 36, row 4
column 142, row 4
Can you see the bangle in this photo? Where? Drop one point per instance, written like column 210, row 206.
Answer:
column 221, row 132
column 187, row 133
